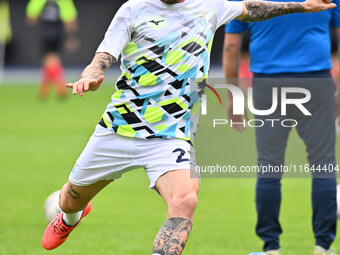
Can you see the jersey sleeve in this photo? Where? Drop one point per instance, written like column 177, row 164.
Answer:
column 227, row 11
column 34, row 8
column 119, row 32
column 68, row 11
column 235, row 26
column 336, row 15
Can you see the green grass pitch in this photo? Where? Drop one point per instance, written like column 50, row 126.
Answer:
column 39, row 143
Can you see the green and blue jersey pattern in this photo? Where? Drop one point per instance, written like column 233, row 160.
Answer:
column 167, row 50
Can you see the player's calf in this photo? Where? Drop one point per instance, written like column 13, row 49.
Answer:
column 70, row 200
column 172, row 237
column 75, row 198
column 179, row 191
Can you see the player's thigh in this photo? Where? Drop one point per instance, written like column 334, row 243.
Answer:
column 75, row 198
column 169, row 164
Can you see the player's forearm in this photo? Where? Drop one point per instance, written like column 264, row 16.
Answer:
column 100, row 63
column 257, row 10
column 231, row 61
column 231, row 57
column 231, row 64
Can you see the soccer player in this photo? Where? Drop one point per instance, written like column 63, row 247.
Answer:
column 57, row 17
column 297, row 49
column 165, row 46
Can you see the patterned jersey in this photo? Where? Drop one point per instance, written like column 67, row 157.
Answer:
column 165, row 48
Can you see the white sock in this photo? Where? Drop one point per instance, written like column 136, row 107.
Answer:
column 72, row 219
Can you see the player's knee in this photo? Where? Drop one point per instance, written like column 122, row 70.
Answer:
column 186, row 202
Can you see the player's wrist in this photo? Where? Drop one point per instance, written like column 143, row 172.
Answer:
column 307, row 6
column 89, row 77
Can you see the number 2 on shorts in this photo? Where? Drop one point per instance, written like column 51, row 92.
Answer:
column 180, row 156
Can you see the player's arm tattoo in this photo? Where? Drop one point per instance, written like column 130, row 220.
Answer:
column 172, row 237
column 100, row 63
column 263, row 10
column 74, row 194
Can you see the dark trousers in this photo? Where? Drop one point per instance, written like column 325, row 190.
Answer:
column 317, row 132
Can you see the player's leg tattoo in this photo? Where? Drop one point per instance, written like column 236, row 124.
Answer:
column 74, row 194
column 179, row 238
column 172, row 237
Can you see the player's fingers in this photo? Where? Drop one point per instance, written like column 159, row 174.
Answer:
column 80, row 87
column 86, row 85
column 69, row 85
column 93, row 82
column 74, row 90
column 330, row 6
column 100, row 79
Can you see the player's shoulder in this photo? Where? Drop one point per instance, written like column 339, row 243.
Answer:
column 218, row 4
column 131, row 7
column 134, row 3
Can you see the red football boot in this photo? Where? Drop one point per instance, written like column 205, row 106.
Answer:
column 57, row 232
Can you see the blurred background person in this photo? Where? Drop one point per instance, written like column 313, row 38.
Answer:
column 58, row 21
column 296, row 48
column 335, row 56
column 244, row 73
column 5, row 33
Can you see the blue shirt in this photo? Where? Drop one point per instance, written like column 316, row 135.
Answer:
column 295, row 43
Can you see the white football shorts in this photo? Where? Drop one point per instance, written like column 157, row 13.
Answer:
column 108, row 155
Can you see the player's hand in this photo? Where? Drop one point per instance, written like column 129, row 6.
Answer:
column 318, row 5
column 85, row 84
column 236, row 118
column 337, row 106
